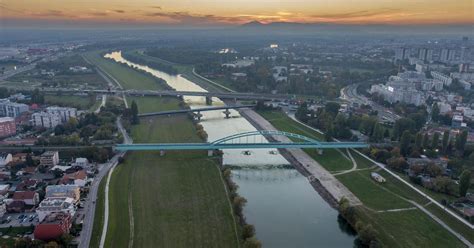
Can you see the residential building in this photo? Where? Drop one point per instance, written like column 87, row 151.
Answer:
column 447, row 80
column 7, row 126
column 55, row 205
column 30, row 198
column 64, row 113
column 53, row 226
column 402, row 53
column 49, row 158
column 5, row 158
column 239, row 63
column 425, row 54
column 46, row 120
column 81, row 162
column 71, row 191
column 447, row 55
column 78, row 178
column 11, row 109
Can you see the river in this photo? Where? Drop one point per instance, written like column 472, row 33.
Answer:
column 283, row 206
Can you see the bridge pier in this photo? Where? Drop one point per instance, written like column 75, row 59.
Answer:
column 210, row 153
column 227, row 113
column 208, row 100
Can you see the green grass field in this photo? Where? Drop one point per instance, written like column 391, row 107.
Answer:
column 79, row 102
column 128, row 77
column 410, row 228
column 177, row 200
column 99, row 215
column 331, row 160
column 151, row 104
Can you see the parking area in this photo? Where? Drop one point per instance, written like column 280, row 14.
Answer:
column 20, row 219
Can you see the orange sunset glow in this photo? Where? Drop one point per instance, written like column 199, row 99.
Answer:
column 223, row 12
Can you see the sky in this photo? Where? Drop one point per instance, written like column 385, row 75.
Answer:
column 226, row 12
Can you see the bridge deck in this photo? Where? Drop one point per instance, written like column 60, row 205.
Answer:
column 210, row 146
column 195, row 110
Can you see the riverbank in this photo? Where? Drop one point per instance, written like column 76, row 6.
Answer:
column 393, row 228
column 324, row 182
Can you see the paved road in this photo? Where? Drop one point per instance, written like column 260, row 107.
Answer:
column 349, row 93
column 90, row 203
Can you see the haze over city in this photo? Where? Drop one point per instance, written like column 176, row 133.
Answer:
column 205, row 12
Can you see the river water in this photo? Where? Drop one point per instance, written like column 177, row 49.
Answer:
column 283, row 206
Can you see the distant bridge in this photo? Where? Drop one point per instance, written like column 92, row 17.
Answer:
column 246, row 140
column 208, row 95
column 197, row 111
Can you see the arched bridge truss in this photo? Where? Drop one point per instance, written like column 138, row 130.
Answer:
column 263, row 139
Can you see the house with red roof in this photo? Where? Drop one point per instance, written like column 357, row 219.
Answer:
column 53, row 226
column 78, row 178
column 28, row 197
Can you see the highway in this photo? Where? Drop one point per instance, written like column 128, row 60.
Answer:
column 349, row 93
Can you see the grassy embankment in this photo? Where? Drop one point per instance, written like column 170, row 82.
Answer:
column 177, row 200
column 128, row 77
column 99, row 215
column 409, row 228
column 185, row 70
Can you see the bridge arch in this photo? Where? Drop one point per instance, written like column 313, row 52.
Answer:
column 262, row 133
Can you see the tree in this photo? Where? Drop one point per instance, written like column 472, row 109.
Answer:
column 435, row 142
column 248, row 231
column 426, row 141
column 405, row 143
column 461, row 140
column 418, row 141
column 445, row 141
column 332, row 108
column 252, row 243
column 433, row 170
column 444, row 185
column 378, row 133
column 435, row 112
column 134, row 109
column 401, row 125
column 464, row 182
column 398, row 164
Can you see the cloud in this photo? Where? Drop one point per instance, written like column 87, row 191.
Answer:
column 184, row 17
column 52, row 13
column 358, row 14
column 120, row 11
column 155, row 7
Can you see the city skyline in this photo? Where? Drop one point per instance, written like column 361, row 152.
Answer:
column 206, row 12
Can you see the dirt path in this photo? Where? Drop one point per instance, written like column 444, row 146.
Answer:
column 354, row 165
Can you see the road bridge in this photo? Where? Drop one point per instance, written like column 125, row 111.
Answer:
column 246, row 140
column 197, row 111
column 207, row 95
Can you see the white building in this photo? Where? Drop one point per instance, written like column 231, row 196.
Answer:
column 64, row 113
column 11, row 109
column 56, row 205
column 49, row 158
column 82, row 162
column 239, row 63
column 46, row 120
column 447, row 80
